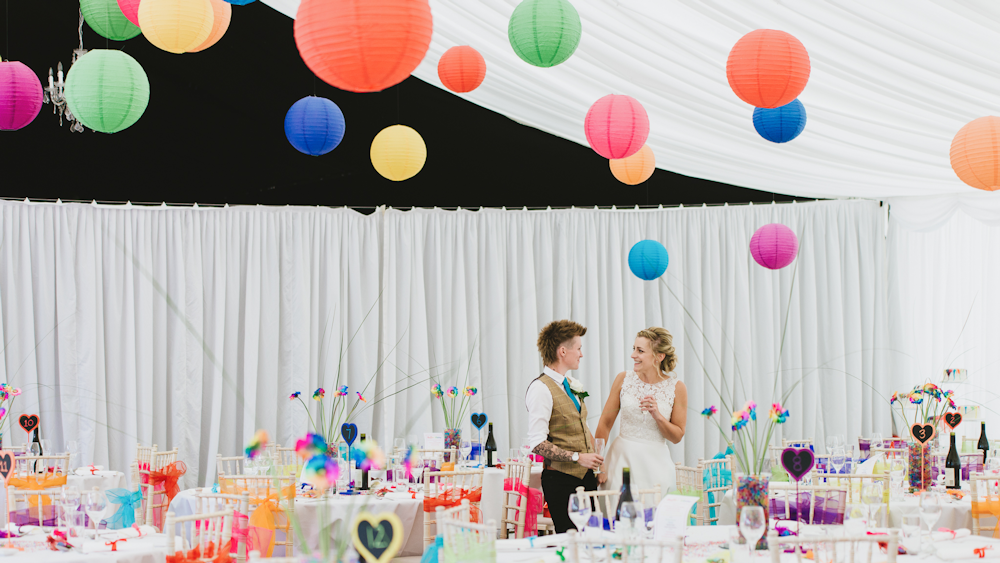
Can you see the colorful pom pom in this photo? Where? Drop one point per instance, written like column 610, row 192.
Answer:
column 310, row 446
column 257, row 444
column 342, row 392
column 294, row 395
column 319, row 393
column 709, row 411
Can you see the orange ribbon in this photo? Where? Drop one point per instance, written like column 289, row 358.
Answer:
column 981, row 551
column 32, row 484
column 267, row 514
column 195, row 555
column 114, row 544
column 168, row 476
column 452, row 498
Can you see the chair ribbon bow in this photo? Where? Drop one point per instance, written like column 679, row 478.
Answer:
column 264, row 520
column 32, row 484
column 168, row 476
column 114, row 543
column 127, row 502
column 535, row 503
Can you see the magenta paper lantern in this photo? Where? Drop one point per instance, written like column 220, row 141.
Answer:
column 616, row 126
column 774, row 246
column 131, row 10
column 20, row 95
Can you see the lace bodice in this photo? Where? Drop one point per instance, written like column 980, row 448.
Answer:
column 635, row 423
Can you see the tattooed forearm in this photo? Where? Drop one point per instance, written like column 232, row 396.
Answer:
column 551, row 452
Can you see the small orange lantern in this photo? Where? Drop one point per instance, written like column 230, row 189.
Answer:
column 461, row 69
column 975, row 153
column 635, row 169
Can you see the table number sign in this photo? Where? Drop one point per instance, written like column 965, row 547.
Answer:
column 377, row 538
column 797, row 462
column 952, row 419
column 922, row 433
column 7, row 471
column 28, row 422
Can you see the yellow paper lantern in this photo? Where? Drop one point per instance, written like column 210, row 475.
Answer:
column 634, row 169
column 223, row 12
column 176, row 26
column 398, row 152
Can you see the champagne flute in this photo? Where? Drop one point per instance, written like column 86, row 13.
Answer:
column 70, row 501
column 579, row 511
column 897, row 470
column 752, row 525
column 599, row 450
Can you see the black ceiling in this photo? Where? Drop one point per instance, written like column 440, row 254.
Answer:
column 213, row 133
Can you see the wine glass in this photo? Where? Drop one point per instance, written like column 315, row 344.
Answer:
column 69, row 498
column 833, row 442
column 599, row 450
column 525, row 452
column 877, row 440
column 72, row 448
column 399, row 444
column 911, row 533
column 579, row 511
column 837, row 460
column 631, row 519
column 466, row 449
column 752, row 525
column 897, row 470
column 930, row 510
column 94, row 503
column 871, row 495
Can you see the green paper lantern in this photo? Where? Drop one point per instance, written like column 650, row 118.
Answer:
column 107, row 90
column 544, row 32
column 107, row 19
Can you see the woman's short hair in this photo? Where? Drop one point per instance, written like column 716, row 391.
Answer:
column 661, row 342
column 554, row 335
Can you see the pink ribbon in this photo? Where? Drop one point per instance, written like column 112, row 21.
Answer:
column 536, row 500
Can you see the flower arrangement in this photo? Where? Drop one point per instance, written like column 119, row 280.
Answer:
column 454, row 416
column 336, row 411
column 321, row 470
column 931, row 403
column 7, row 395
column 751, row 449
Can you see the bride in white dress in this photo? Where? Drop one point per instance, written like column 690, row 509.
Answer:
column 653, row 405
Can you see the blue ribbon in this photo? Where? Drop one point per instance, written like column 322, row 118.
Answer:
column 127, row 501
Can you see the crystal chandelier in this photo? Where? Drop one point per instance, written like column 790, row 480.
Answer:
column 55, row 92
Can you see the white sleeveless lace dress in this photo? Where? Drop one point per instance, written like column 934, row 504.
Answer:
column 639, row 445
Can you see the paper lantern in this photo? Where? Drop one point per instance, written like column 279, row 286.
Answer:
column 616, row 126
column 975, row 153
column 107, row 90
column 635, row 169
column 398, row 152
column 130, row 9
column 314, row 125
column 768, row 68
column 782, row 124
column 222, row 13
column 176, row 26
column 648, row 259
column 107, row 19
column 774, row 246
column 20, row 95
column 461, row 69
column 544, row 32
column 363, row 45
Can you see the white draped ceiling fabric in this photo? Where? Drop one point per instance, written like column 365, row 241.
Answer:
column 189, row 328
column 891, row 84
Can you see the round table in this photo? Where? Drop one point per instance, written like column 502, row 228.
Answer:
column 103, row 480
column 148, row 549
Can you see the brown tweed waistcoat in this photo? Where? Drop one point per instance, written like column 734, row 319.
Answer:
column 567, row 429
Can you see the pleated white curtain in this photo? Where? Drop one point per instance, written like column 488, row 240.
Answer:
column 487, row 281
column 186, row 328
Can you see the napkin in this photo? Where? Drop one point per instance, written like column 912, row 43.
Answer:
column 134, row 532
column 945, row 534
column 971, row 549
column 86, row 470
column 530, row 543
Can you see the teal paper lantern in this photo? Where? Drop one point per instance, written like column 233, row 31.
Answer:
column 648, row 259
column 106, row 18
column 544, row 32
column 107, row 90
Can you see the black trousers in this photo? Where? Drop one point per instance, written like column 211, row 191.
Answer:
column 558, row 487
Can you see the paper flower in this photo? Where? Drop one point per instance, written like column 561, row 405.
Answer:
column 436, row 391
column 368, row 456
column 310, row 446
column 452, row 392
column 294, row 395
column 709, row 411
column 17, row 391
column 778, row 414
column 342, row 392
column 319, row 393
column 470, row 391
column 321, row 471
column 257, row 444
column 740, row 419
column 894, row 398
column 751, row 409
column 360, row 398
column 3, row 411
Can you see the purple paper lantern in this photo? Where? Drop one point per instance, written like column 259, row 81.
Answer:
column 774, row 246
column 20, row 95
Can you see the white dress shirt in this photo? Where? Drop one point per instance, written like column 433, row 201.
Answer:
column 539, row 403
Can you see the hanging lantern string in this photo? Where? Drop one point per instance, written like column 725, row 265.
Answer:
column 398, row 86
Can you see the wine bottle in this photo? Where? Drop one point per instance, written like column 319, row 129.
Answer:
column 491, row 446
column 984, row 443
column 953, row 467
column 364, row 472
column 625, row 495
column 36, row 449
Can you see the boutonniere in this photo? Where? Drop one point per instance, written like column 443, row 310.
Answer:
column 576, row 386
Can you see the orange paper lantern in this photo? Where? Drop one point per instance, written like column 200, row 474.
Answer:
column 975, row 153
column 768, row 68
column 223, row 14
column 461, row 69
column 363, row 45
column 635, row 169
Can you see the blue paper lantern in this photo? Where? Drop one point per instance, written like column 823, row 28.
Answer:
column 239, row 2
column 780, row 124
column 648, row 259
column 314, row 125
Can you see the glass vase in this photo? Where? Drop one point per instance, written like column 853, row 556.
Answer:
column 919, row 464
column 452, row 439
column 752, row 490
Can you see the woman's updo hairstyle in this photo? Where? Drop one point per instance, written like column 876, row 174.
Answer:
column 662, row 343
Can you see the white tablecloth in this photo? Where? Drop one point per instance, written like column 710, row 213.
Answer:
column 103, row 480
column 150, row 549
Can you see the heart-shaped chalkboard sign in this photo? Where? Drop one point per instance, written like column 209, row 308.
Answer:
column 349, row 432
column 377, row 538
column 6, row 465
column 922, row 432
column 479, row 419
column 797, row 462
column 28, row 422
column 952, row 419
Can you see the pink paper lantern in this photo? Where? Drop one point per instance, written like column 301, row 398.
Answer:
column 616, row 126
column 774, row 246
column 131, row 10
column 20, row 95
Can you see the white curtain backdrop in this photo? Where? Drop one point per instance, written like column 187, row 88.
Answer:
column 489, row 280
column 186, row 328
column 189, row 327
column 944, row 260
